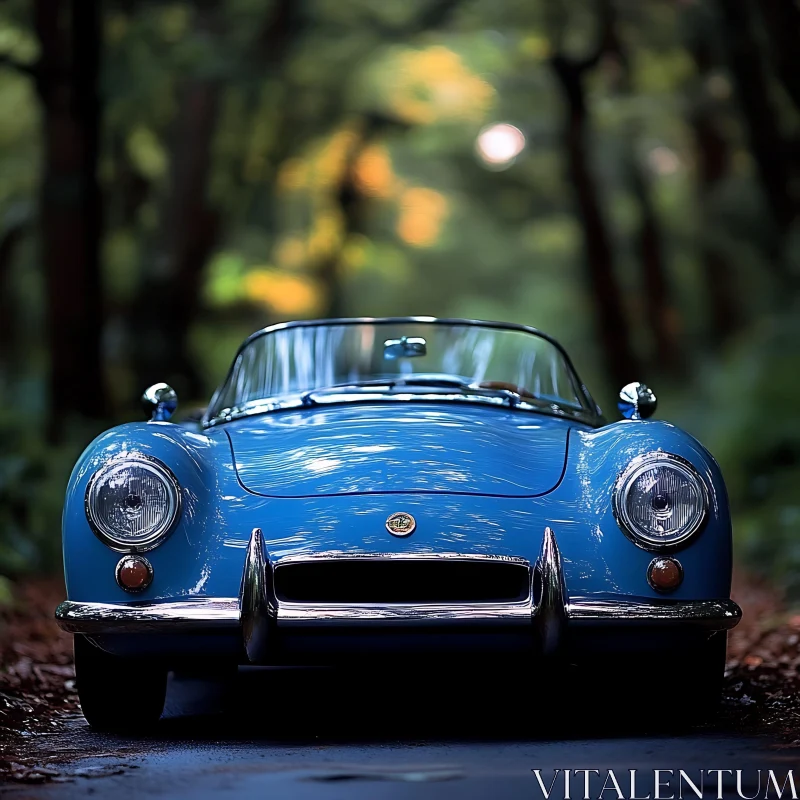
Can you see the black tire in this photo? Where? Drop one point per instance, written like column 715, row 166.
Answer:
column 705, row 674
column 692, row 679
column 659, row 691
column 122, row 695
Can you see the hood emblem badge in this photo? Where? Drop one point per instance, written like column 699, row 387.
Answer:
column 401, row 524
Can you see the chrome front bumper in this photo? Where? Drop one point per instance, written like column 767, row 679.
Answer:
column 258, row 613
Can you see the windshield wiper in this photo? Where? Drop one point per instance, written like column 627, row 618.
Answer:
column 511, row 397
column 445, row 383
column 307, row 398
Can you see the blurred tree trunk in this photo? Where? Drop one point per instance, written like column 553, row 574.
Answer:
column 766, row 143
column 782, row 21
column 622, row 363
column 660, row 311
column 169, row 296
column 69, row 33
column 713, row 160
column 8, row 246
column 661, row 316
column 353, row 209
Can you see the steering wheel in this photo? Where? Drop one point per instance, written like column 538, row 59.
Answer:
column 520, row 390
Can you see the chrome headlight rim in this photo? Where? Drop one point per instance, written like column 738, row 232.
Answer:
column 154, row 539
column 622, row 487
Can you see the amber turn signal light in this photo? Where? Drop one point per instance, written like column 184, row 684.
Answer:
column 665, row 574
column 134, row 573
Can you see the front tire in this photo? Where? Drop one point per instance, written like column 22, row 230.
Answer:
column 706, row 674
column 660, row 690
column 692, row 679
column 123, row 695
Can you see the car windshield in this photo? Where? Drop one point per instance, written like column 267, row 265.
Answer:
column 311, row 363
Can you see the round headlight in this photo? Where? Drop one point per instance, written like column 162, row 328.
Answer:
column 660, row 501
column 132, row 503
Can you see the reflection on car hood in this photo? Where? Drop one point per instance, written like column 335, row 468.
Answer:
column 399, row 447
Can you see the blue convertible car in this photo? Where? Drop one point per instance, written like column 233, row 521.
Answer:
column 403, row 487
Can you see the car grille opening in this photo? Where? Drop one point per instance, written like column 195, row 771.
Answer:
column 401, row 581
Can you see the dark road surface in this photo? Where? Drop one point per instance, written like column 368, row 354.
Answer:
column 312, row 735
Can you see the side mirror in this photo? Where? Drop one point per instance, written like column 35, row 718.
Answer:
column 160, row 402
column 637, row 401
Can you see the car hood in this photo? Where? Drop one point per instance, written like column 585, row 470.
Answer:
column 399, row 448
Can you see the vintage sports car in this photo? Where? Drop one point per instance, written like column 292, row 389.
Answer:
column 402, row 487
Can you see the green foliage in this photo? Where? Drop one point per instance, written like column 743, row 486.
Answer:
column 743, row 409
column 33, row 480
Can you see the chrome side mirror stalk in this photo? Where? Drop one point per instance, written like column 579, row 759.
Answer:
column 160, row 402
column 637, row 401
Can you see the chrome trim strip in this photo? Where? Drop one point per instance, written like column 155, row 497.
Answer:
column 716, row 615
column 258, row 605
column 182, row 616
column 335, row 555
column 223, row 614
column 256, row 407
column 316, row 323
column 298, row 615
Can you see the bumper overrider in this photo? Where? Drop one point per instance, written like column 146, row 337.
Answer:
column 547, row 611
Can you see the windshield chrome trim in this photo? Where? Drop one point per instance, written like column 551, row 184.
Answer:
column 589, row 414
column 256, row 407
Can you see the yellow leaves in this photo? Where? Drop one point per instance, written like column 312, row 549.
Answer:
column 434, row 84
column 230, row 281
column 422, row 212
column 286, row 295
column 316, row 177
column 373, row 172
column 332, row 159
column 321, row 169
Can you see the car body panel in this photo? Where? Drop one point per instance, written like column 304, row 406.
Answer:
column 416, row 448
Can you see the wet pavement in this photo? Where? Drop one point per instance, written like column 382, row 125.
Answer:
column 386, row 733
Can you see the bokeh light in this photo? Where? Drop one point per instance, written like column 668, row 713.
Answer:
column 498, row 145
